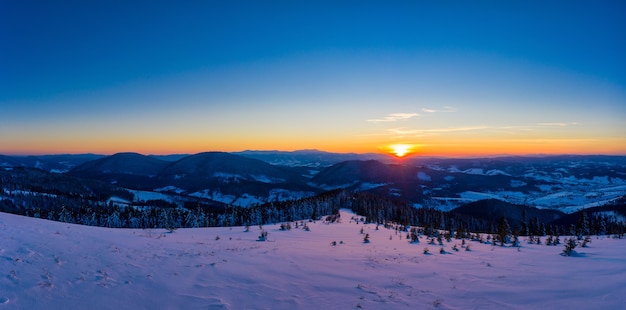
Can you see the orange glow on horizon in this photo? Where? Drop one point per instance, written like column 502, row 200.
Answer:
column 165, row 144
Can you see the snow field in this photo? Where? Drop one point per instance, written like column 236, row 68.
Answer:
column 51, row 265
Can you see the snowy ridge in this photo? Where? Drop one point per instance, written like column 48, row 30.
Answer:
column 247, row 200
column 170, row 188
column 366, row 186
column 55, row 265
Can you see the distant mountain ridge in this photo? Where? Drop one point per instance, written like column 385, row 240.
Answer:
column 123, row 163
column 50, row 163
column 359, row 172
column 219, row 176
column 309, row 158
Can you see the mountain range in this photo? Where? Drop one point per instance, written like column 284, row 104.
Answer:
column 564, row 183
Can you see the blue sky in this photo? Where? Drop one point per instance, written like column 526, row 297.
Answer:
column 482, row 77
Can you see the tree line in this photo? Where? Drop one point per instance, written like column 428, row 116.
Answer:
column 34, row 193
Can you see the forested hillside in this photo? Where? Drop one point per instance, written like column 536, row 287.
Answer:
column 57, row 197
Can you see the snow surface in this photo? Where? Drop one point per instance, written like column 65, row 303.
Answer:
column 565, row 194
column 423, row 176
column 367, row 185
column 478, row 171
column 170, row 188
column 517, row 183
column 118, row 201
column 148, row 195
column 246, row 200
column 496, row 172
column 475, row 196
column 51, row 265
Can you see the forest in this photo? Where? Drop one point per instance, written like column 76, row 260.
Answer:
column 35, row 193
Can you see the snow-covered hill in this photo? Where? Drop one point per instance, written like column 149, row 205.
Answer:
column 51, row 265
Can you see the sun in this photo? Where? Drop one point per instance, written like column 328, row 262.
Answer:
column 401, row 150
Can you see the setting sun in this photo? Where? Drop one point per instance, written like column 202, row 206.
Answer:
column 401, row 150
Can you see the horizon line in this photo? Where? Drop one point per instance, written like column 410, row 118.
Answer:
column 413, row 155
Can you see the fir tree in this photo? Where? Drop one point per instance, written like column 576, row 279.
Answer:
column 504, row 231
column 523, row 225
column 583, row 226
column 516, row 241
column 570, row 245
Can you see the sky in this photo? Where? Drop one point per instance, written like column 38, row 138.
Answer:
column 444, row 78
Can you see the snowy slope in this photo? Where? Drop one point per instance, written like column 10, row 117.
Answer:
column 50, row 265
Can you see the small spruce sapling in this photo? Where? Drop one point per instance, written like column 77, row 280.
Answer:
column 516, row 241
column 570, row 245
column 367, row 238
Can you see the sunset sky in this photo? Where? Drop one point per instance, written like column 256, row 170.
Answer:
column 451, row 78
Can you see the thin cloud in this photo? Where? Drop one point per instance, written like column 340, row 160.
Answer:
column 403, row 131
column 446, row 109
column 455, row 129
column 554, row 140
column 394, row 117
column 558, row 124
column 429, row 132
